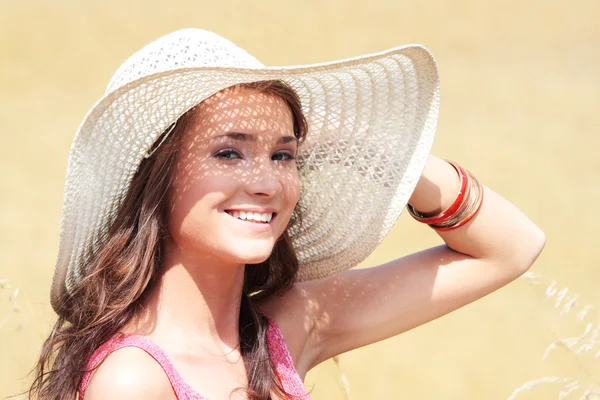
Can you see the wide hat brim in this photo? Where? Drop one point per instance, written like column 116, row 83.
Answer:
column 371, row 125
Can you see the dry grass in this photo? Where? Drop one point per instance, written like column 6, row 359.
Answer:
column 11, row 313
column 345, row 383
column 11, row 293
column 585, row 347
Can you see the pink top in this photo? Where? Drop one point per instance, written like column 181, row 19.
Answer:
column 284, row 366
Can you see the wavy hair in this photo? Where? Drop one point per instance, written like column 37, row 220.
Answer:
column 125, row 269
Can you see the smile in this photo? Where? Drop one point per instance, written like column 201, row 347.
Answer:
column 252, row 217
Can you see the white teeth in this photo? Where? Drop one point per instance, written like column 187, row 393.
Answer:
column 252, row 216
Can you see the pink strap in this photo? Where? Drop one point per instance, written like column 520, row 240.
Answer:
column 278, row 350
column 180, row 387
column 284, row 364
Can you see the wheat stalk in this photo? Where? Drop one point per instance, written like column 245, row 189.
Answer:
column 343, row 377
column 587, row 342
column 12, row 299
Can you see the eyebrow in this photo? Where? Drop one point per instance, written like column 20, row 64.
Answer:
column 248, row 137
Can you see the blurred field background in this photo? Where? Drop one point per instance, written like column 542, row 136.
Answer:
column 520, row 108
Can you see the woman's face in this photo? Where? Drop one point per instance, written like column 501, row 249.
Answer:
column 236, row 157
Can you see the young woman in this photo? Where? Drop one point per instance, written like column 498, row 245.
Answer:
column 213, row 208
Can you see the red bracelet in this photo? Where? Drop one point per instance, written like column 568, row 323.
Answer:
column 463, row 219
column 463, row 193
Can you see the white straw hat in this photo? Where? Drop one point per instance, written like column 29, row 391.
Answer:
column 371, row 124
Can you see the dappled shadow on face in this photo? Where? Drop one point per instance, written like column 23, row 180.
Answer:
column 236, row 152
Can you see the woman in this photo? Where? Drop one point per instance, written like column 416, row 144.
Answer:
column 213, row 207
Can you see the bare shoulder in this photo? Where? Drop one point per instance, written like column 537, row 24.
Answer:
column 291, row 311
column 294, row 313
column 129, row 373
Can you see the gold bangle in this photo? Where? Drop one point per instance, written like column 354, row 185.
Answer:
column 449, row 212
column 475, row 200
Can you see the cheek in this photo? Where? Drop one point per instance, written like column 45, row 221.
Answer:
column 295, row 189
column 197, row 182
column 194, row 202
column 292, row 191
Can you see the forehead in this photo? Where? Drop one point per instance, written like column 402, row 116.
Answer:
column 241, row 109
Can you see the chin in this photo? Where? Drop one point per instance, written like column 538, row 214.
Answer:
column 253, row 254
column 256, row 258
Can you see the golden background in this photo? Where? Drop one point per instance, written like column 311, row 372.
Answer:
column 520, row 108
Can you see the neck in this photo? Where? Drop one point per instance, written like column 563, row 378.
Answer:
column 196, row 300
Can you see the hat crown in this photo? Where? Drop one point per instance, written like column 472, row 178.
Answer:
column 185, row 48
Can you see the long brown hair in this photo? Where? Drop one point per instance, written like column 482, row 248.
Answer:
column 124, row 270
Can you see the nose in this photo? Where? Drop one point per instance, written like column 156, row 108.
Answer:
column 264, row 179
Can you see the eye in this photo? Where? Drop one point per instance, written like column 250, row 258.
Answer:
column 228, row 154
column 283, row 156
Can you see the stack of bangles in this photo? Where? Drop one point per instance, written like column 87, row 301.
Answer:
column 462, row 210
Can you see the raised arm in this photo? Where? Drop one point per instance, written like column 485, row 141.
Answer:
column 363, row 306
